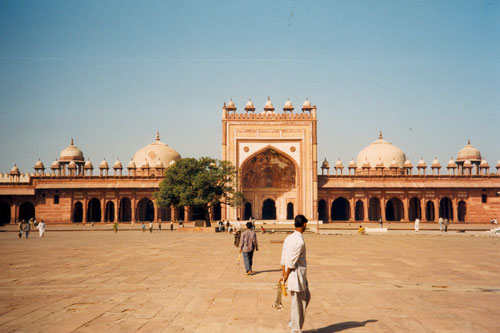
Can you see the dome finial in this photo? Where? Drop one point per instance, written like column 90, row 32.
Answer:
column 157, row 136
column 380, row 135
column 468, row 141
column 72, row 144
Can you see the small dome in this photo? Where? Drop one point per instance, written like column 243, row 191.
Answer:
column 469, row 152
column 159, row 164
column 39, row 165
column 288, row 105
column 15, row 170
column 55, row 165
column 383, row 150
column 338, row 164
column 467, row 164
column 269, row 105
column 306, row 105
column 154, row 151
column 421, row 163
column 104, row 164
column 451, row 163
column 131, row 164
column 366, row 164
column 380, row 164
column 325, row 164
column 249, row 106
column 435, row 163
column 145, row 164
column 88, row 165
column 408, row 164
column 394, row 163
column 498, row 165
column 71, row 153
column 118, row 164
column 230, row 105
column 352, row 164
column 72, row 165
column 484, row 164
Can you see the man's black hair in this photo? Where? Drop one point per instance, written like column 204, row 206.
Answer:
column 300, row 220
column 249, row 225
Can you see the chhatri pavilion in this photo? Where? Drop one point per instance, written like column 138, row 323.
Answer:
column 278, row 173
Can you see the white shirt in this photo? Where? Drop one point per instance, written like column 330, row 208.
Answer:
column 293, row 255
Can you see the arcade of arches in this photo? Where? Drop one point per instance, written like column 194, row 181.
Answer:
column 391, row 209
column 269, row 184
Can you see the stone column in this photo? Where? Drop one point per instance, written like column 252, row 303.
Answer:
column 187, row 213
column 382, row 208
column 406, row 209
column 353, row 208
column 455, row 209
column 13, row 213
column 365, row 208
column 103, row 208
column 85, row 202
column 133, row 202
column 173, row 213
column 157, row 211
column 423, row 209
column 117, row 203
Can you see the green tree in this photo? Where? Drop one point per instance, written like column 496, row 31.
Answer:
column 199, row 182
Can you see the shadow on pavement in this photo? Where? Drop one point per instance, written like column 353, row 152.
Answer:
column 341, row 326
column 268, row 271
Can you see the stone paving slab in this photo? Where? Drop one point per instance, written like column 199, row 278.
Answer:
column 192, row 282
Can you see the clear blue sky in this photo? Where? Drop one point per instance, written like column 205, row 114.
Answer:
column 112, row 73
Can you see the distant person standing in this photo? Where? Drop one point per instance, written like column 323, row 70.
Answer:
column 441, row 224
column 115, row 227
column 294, row 269
column 446, row 222
column 380, row 222
column 159, row 225
column 151, row 226
column 143, row 227
column 248, row 245
column 417, row 224
column 171, row 226
column 41, row 227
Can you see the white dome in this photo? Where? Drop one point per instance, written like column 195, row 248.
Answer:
column 421, row 163
column 269, row 105
column 484, row 164
column 451, row 163
column 338, row 164
column 288, row 105
column 469, row 152
column 55, row 165
column 15, row 170
column 118, row 164
column 39, row 165
column 394, row 163
column 72, row 165
column 71, row 153
column 435, row 163
column 230, row 105
column 104, row 164
column 408, row 164
column 154, row 151
column 131, row 164
column 383, row 150
column 158, row 164
column 352, row 164
column 306, row 104
column 249, row 105
column 88, row 165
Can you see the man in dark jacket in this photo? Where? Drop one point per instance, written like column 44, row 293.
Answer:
column 248, row 245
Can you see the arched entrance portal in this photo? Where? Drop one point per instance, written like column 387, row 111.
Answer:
column 216, row 212
column 110, row 212
column 199, row 213
column 340, row 209
column 248, row 211
column 94, row 210
column 322, row 216
column 4, row 213
column 125, row 211
column 269, row 210
column 374, row 209
column 26, row 211
column 394, row 210
column 446, row 209
column 462, row 211
column 289, row 211
column 360, row 211
column 145, row 210
column 414, row 211
column 429, row 211
column 270, row 173
column 180, row 213
column 78, row 212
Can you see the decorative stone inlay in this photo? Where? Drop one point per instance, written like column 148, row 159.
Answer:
column 292, row 149
column 246, row 149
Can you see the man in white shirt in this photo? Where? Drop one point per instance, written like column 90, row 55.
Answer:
column 294, row 270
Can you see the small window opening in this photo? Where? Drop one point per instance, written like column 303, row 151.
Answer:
column 56, row 200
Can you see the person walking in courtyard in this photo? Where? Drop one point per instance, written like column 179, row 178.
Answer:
column 159, row 225
column 41, row 228
column 446, row 222
column 171, row 226
column 115, row 227
column 417, row 224
column 441, row 224
column 20, row 229
column 151, row 226
column 380, row 222
column 143, row 227
column 27, row 229
column 294, row 270
column 248, row 245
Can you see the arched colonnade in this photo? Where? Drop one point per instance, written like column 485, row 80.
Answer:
column 394, row 209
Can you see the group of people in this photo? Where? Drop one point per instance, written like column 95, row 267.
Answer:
column 293, row 266
column 25, row 227
column 443, row 224
column 151, row 226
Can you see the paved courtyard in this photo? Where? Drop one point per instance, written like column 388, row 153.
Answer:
column 98, row 281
